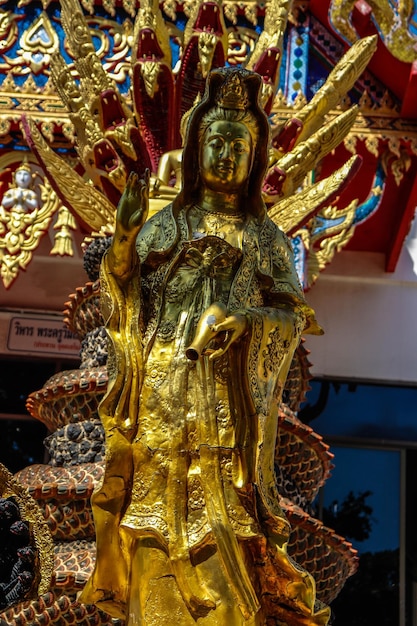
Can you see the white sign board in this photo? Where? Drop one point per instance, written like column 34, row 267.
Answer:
column 41, row 335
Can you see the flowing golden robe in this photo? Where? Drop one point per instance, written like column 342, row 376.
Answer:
column 190, row 445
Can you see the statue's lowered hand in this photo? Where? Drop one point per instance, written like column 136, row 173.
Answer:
column 213, row 321
column 236, row 326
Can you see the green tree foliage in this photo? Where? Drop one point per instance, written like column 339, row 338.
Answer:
column 352, row 518
column 371, row 596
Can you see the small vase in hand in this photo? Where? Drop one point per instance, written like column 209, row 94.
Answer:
column 215, row 314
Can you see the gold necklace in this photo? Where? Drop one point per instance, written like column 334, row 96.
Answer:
column 239, row 215
column 215, row 223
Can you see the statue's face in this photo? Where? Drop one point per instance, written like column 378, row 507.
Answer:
column 23, row 178
column 226, row 156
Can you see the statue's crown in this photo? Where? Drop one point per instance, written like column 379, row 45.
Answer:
column 233, row 93
column 24, row 165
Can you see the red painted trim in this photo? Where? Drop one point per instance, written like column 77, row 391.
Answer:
column 320, row 10
column 361, row 13
column 397, row 243
column 409, row 105
column 397, row 79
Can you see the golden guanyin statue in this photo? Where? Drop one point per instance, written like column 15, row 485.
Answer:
column 204, row 311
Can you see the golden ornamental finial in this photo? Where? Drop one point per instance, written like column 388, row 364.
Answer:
column 233, row 93
column 24, row 165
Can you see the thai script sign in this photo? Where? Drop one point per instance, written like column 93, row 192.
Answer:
column 41, row 335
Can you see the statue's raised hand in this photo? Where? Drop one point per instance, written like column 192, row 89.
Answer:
column 132, row 213
column 133, row 207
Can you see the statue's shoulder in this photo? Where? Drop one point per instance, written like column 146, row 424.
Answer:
column 158, row 234
column 161, row 216
column 158, row 220
column 271, row 234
